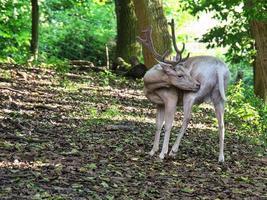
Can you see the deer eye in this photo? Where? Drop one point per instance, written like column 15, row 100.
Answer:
column 180, row 76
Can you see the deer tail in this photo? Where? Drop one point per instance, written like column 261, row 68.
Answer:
column 221, row 84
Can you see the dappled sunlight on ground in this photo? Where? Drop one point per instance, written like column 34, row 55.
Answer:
column 16, row 164
column 80, row 136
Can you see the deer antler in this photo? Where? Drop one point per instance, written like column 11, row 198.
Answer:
column 179, row 53
column 148, row 43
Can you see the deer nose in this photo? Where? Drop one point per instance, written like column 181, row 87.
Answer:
column 197, row 85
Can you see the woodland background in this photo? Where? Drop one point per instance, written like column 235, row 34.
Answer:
column 75, row 124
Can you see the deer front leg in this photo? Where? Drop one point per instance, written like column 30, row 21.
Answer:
column 170, row 108
column 188, row 103
column 159, row 124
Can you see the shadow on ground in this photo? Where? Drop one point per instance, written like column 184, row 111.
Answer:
column 56, row 143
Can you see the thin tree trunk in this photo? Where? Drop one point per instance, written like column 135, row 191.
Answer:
column 35, row 28
column 150, row 13
column 259, row 33
column 127, row 45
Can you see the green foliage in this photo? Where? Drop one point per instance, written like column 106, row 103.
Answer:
column 247, row 112
column 102, row 2
column 111, row 112
column 247, row 71
column 173, row 10
column 68, row 85
column 107, row 77
column 69, row 29
column 233, row 30
column 14, row 29
column 5, row 74
column 60, row 65
column 77, row 29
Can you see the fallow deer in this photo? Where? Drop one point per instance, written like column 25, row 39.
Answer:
column 199, row 79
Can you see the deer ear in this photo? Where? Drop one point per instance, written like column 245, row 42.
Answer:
column 168, row 69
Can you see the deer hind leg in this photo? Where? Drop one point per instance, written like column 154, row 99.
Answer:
column 219, row 110
column 159, row 125
column 187, row 107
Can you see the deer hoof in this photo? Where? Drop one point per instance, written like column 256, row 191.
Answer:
column 161, row 156
column 172, row 153
column 221, row 159
column 152, row 152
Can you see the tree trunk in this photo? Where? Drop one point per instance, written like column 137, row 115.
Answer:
column 35, row 27
column 127, row 45
column 259, row 33
column 150, row 12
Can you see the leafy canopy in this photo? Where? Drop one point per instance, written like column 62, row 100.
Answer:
column 233, row 31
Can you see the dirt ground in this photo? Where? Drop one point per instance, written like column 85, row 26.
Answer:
column 86, row 136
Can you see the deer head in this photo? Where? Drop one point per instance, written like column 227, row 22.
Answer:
column 179, row 77
column 177, row 74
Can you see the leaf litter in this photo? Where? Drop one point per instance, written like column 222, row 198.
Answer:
column 72, row 136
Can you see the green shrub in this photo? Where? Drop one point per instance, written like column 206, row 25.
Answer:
column 247, row 71
column 247, row 112
column 15, row 29
column 77, row 31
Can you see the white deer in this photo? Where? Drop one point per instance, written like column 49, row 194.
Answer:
column 161, row 83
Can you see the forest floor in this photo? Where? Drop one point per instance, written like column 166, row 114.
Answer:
column 86, row 136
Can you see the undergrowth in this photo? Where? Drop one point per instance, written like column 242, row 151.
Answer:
column 247, row 112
